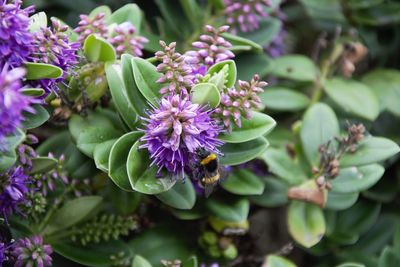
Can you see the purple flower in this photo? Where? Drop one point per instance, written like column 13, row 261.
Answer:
column 53, row 47
column 15, row 38
column 177, row 75
column 12, row 102
column 238, row 102
column 212, row 48
column 32, row 252
column 215, row 264
column 2, row 253
column 124, row 40
column 245, row 15
column 174, row 132
column 277, row 47
column 12, row 190
column 87, row 26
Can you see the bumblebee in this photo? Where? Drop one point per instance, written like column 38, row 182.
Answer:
column 209, row 172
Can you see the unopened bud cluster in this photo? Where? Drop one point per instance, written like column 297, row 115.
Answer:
column 88, row 26
column 125, row 41
column 218, row 246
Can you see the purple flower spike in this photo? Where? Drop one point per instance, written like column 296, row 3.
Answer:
column 212, row 48
column 87, row 26
column 174, row 132
column 2, row 253
column 125, row 41
column 12, row 102
column 32, row 252
column 52, row 46
column 178, row 78
column 245, row 15
column 12, row 190
column 15, row 38
column 238, row 102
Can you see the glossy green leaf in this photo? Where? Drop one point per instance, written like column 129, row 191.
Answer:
column 193, row 12
column 128, row 13
column 142, row 177
column 230, row 210
column 354, row 97
column 77, row 124
column 96, row 89
column 139, row 261
column 274, row 194
column 206, row 94
column 96, row 255
column 358, row 4
column 34, row 120
column 100, row 9
column 118, row 159
column 229, row 67
column 137, row 101
column 351, row 264
column 384, row 14
column 250, row 64
column 283, row 99
column 73, row 212
column 7, row 159
column 15, row 139
column 146, row 76
column 357, row 179
column 37, row 22
column 278, row 261
column 119, row 95
column 370, row 150
column 319, row 126
column 385, row 84
column 338, row 201
column 191, row 262
column 97, row 49
column 238, row 41
column 181, row 196
column 294, row 67
column 101, row 154
column 306, row 223
column 266, row 32
column 37, row 71
column 282, row 165
column 92, row 136
column 243, row 182
column 235, row 154
column 389, row 257
column 259, row 125
column 42, row 165
column 33, row 91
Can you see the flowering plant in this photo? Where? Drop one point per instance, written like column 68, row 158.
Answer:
column 141, row 139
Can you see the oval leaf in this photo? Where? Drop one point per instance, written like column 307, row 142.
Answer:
column 294, row 67
column 277, row 261
column 139, row 261
column 35, row 119
column 338, row 201
column 229, row 67
column 230, row 210
column 42, row 165
column 235, row 154
column 283, row 99
column 274, row 195
column 206, row 94
column 101, row 154
column 92, row 136
column 181, row 196
column 37, row 71
column 146, row 76
column 97, row 49
column 243, row 182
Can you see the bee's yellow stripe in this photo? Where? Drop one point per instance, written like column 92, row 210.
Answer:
column 211, row 180
column 208, row 159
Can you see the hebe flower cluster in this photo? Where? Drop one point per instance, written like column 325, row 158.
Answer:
column 13, row 188
column 32, row 252
column 15, row 38
column 175, row 130
column 238, row 102
column 125, row 41
column 177, row 75
column 88, row 26
column 245, row 15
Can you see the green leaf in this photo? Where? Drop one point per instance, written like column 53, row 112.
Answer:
column 128, row 13
column 384, row 14
column 351, row 264
column 15, row 139
column 283, row 99
column 137, row 101
column 306, row 223
column 354, row 97
column 230, row 210
column 193, row 12
column 243, row 182
column 42, row 165
column 142, row 177
column 101, row 154
column 139, row 261
column 278, row 261
column 389, row 257
column 206, row 94
column 319, row 126
column 238, row 41
column 96, row 255
column 146, row 76
column 250, row 64
column 100, row 9
column 7, row 159
column 357, row 179
column 235, row 154
column 370, row 150
column 92, row 136
column 117, row 168
column 94, row 119
column 73, row 212
column 32, row 91
column 266, row 33
column 338, row 201
column 229, row 68
column 260, row 124
column 34, row 120
column 119, row 95
column 294, row 67
column 359, row 4
column 97, row 49
column 181, row 196
column 274, row 194
column 280, row 164
column 37, row 22
column 385, row 84
column 38, row 71
column 191, row 262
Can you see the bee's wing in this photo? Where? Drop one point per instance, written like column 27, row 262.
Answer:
column 208, row 189
column 223, row 173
